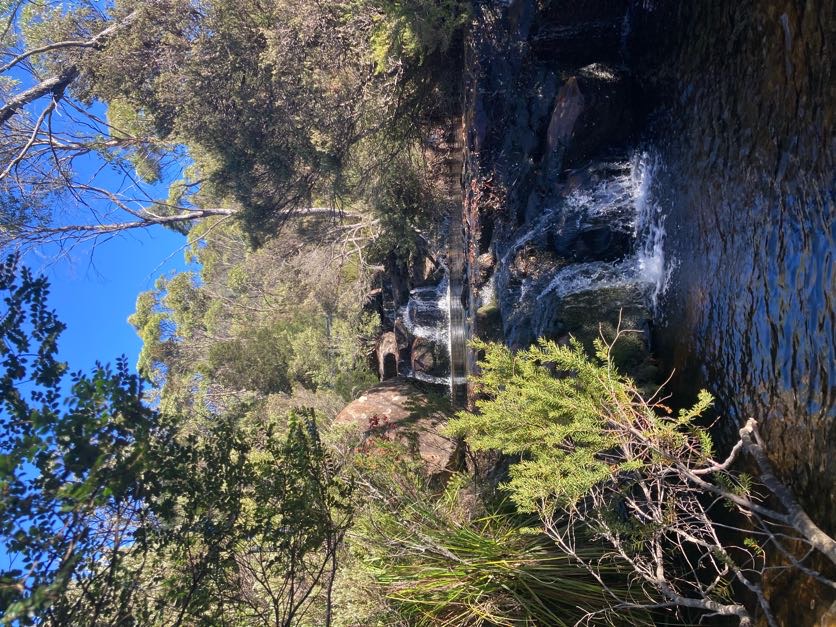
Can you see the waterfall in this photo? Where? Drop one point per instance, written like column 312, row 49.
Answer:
column 433, row 321
column 425, row 313
column 652, row 269
column 620, row 197
column 425, row 317
column 597, row 244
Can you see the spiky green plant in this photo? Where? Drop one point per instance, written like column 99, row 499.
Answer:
column 439, row 562
column 553, row 407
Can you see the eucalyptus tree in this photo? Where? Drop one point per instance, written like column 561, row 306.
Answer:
column 164, row 112
column 254, row 323
column 112, row 512
column 73, row 165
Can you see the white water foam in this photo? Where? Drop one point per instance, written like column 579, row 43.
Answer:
column 535, row 229
column 580, row 277
column 427, row 378
column 606, row 196
column 427, row 315
column 487, row 293
column 646, row 268
column 650, row 233
column 427, row 306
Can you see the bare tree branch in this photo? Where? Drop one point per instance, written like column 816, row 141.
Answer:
column 56, row 85
column 50, row 107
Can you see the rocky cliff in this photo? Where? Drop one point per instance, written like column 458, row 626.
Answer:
column 554, row 181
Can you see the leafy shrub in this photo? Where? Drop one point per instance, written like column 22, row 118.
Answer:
column 557, row 425
column 597, row 456
column 440, row 559
column 407, row 32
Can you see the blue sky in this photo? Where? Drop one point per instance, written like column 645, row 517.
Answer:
column 95, row 291
column 94, row 287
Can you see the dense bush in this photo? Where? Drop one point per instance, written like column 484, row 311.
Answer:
column 248, row 324
column 594, row 455
column 407, row 33
column 444, row 557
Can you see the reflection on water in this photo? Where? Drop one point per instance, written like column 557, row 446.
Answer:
column 746, row 137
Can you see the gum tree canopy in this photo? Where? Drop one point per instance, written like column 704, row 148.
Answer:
column 122, row 115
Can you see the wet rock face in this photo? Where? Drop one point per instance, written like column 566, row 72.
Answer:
column 579, row 32
column 592, row 110
column 422, row 329
column 397, row 410
column 429, row 358
column 560, row 213
column 553, row 184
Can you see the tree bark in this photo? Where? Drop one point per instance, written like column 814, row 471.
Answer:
column 54, row 85
column 798, row 518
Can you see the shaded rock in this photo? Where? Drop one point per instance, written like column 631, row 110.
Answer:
column 402, row 335
column 592, row 109
column 602, row 242
column 398, row 410
column 429, row 357
column 577, row 44
column 398, row 278
column 568, row 106
column 568, row 12
column 387, row 355
column 577, row 32
column 486, row 263
column 488, row 324
column 424, row 271
column 423, row 359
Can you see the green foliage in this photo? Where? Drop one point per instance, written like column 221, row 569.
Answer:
column 255, row 323
column 113, row 513
column 133, row 129
column 44, row 23
column 551, row 407
column 594, row 452
column 256, row 515
column 268, row 107
column 439, row 560
column 272, row 112
column 64, row 472
column 740, row 484
column 405, row 205
column 408, row 32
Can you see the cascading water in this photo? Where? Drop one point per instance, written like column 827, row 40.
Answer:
column 645, row 267
column 431, row 328
column 425, row 318
column 604, row 235
column 718, row 239
column 425, row 313
column 653, row 269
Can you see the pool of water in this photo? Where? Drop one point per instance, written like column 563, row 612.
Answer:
column 742, row 123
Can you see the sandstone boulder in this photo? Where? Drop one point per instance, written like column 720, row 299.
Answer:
column 398, row 410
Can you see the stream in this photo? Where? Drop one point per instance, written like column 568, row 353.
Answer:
column 666, row 162
column 742, row 126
